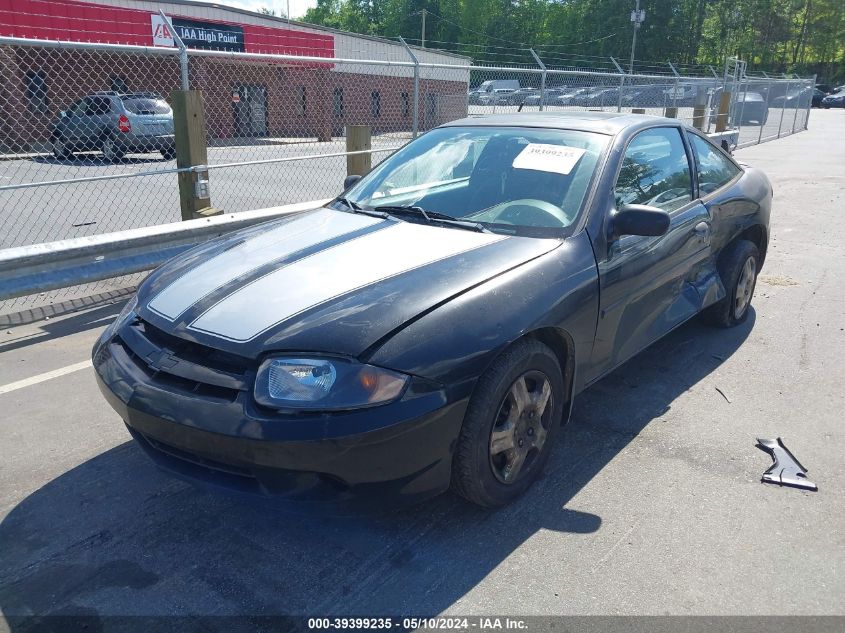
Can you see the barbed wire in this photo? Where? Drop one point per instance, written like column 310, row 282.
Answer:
column 501, row 39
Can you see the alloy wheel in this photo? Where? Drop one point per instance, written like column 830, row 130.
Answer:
column 521, row 427
column 744, row 287
column 59, row 147
column 110, row 152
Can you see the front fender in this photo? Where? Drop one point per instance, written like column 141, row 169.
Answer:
column 454, row 344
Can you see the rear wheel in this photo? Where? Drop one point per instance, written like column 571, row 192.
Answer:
column 511, row 421
column 61, row 150
column 112, row 152
column 738, row 268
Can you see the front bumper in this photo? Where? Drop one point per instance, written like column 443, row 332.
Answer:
column 397, row 453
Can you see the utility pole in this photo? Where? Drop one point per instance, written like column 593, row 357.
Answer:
column 422, row 35
column 637, row 17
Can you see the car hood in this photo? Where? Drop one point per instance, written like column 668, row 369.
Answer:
column 324, row 281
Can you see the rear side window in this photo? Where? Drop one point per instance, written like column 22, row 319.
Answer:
column 144, row 105
column 714, row 169
column 655, row 171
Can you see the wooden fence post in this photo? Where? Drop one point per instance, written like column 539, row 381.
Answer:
column 698, row 111
column 724, row 106
column 189, row 128
column 358, row 138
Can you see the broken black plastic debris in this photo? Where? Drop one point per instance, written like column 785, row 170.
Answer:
column 786, row 469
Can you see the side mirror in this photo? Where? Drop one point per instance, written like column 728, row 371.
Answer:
column 349, row 181
column 639, row 219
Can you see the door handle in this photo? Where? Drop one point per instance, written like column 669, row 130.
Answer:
column 702, row 229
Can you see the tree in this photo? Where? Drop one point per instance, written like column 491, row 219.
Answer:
column 803, row 36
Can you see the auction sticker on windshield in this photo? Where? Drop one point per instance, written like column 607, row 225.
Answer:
column 557, row 159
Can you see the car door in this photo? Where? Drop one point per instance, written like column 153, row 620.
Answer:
column 98, row 118
column 649, row 285
column 73, row 123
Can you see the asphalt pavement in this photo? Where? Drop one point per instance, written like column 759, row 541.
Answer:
column 651, row 503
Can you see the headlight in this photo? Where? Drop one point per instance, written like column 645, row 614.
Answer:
column 128, row 309
column 126, row 313
column 316, row 384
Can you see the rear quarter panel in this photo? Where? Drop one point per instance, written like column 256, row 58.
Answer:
column 735, row 209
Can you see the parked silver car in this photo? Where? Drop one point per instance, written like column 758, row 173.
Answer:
column 115, row 124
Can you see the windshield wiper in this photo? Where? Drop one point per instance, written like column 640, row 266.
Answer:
column 357, row 208
column 432, row 216
column 352, row 205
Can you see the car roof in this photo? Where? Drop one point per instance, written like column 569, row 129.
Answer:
column 126, row 95
column 602, row 122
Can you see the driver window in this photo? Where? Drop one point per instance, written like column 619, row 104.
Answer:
column 655, row 171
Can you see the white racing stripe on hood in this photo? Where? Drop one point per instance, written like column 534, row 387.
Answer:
column 288, row 238
column 308, row 282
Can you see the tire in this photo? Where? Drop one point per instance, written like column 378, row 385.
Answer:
column 480, row 470
column 60, row 148
column 112, row 152
column 738, row 268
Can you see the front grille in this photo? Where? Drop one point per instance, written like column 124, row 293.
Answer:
column 184, row 366
column 193, row 352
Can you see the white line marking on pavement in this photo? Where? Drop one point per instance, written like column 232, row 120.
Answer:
column 47, row 375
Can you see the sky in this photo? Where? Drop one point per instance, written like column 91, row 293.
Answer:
column 297, row 7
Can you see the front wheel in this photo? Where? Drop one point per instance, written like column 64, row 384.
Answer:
column 61, row 150
column 112, row 151
column 738, row 268
column 509, row 426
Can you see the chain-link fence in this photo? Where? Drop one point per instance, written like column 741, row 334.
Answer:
column 87, row 141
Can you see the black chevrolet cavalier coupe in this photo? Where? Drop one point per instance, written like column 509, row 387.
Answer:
column 432, row 325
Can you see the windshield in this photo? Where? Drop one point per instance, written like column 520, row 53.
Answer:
column 520, row 181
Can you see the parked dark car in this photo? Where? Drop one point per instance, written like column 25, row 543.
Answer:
column 432, row 326
column 568, row 96
column 474, row 97
column 836, row 100
column 499, row 96
column 549, row 96
column 818, row 95
column 683, row 95
column 518, row 97
column 653, row 96
column 115, row 124
column 597, row 98
column 749, row 107
column 793, row 99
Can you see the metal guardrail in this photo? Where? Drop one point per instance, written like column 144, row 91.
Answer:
column 41, row 267
column 198, row 169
